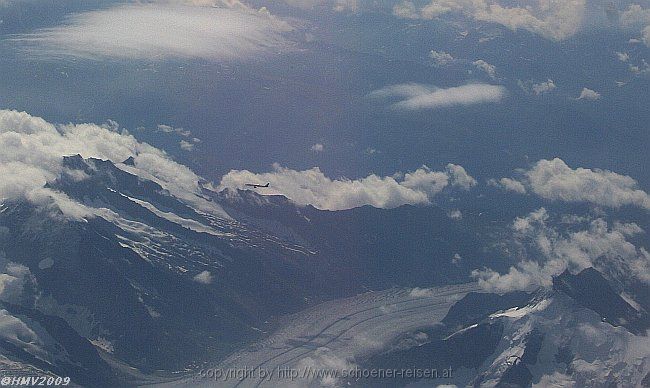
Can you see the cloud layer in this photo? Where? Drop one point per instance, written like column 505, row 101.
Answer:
column 413, row 96
column 548, row 252
column 312, row 187
column 552, row 19
column 33, row 150
column 160, row 30
column 335, row 5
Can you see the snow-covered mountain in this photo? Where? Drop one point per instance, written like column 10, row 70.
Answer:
column 154, row 283
column 579, row 333
column 120, row 266
column 162, row 281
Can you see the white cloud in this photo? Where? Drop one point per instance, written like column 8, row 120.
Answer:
column 512, row 185
column 526, row 276
column 623, row 56
column 406, row 10
column 556, row 181
column 169, row 129
column 8, row 3
column 317, row 147
column 628, row 229
column 637, row 18
column 204, row 277
column 634, row 15
column 346, row 5
column 417, row 96
column 544, row 87
column 456, row 259
column 555, row 20
column 186, row 145
column 160, row 30
column 645, row 36
column 550, row 251
column 643, row 68
column 490, row 70
column 508, row 184
column 438, row 8
column 552, row 19
column 32, row 156
column 537, row 88
column 335, row 5
column 460, row 177
column 441, row 58
column 588, row 94
column 13, row 280
column 312, row 187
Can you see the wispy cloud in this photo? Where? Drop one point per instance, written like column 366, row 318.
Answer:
column 555, row 20
column 158, row 31
column 417, row 96
column 335, row 5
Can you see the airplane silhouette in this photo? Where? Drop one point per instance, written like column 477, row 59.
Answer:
column 255, row 186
